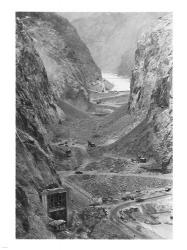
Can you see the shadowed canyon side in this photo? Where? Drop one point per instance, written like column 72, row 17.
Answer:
column 49, row 80
column 36, row 112
column 92, row 162
column 151, row 95
column 70, row 68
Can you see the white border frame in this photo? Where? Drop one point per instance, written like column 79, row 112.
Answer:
column 7, row 222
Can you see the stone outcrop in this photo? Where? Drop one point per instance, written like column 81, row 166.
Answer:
column 151, row 96
column 36, row 112
column 70, row 68
column 54, row 71
column 151, row 88
column 151, row 77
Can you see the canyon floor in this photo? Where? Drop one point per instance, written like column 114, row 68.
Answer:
column 112, row 196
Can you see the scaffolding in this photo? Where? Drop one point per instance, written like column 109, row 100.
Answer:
column 55, row 202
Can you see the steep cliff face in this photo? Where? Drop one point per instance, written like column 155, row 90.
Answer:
column 112, row 37
column 70, row 68
column 36, row 111
column 151, row 77
column 151, row 95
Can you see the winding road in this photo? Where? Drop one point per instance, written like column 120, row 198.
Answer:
column 125, row 228
column 114, row 218
column 95, row 172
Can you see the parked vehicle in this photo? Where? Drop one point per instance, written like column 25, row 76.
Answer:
column 127, row 197
column 78, row 172
column 91, row 144
column 142, row 160
column 139, row 200
column 113, row 171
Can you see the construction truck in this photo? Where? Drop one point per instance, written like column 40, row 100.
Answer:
column 91, row 144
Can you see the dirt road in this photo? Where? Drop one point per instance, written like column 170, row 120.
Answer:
column 143, row 175
column 128, row 229
column 114, row 218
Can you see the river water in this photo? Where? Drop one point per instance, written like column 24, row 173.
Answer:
column 120, row 83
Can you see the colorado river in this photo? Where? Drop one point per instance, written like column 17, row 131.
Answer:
column 120, row 83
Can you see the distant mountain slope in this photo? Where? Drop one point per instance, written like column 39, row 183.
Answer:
column 151, row 96
column 75, row 15
column 70, row 68
column 112, row 37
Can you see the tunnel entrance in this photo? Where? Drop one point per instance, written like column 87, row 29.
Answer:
column 55, row 203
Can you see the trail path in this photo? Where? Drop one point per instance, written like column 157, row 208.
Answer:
column 95, row 172
column 128, row 229
column 114, row 218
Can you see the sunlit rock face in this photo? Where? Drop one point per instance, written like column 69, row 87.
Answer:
column 151, row 77
column 36, row 112
column 151, row 90
column 150, row 102
column 70, row 68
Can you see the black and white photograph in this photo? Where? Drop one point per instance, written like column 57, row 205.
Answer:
column 94, row 125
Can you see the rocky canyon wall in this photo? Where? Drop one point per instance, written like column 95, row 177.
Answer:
column 151, row 96
column 36, row 111
column 70, row 68
column 112, row 36
column 54, row 72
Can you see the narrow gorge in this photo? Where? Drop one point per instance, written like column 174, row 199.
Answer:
column 93, row 155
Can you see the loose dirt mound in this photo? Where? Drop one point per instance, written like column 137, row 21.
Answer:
column 105, row 186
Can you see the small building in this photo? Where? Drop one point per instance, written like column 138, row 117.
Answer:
column 55, row 202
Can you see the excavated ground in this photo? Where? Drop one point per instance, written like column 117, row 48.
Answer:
column 104, row 186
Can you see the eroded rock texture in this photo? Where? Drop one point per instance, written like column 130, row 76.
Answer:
column 151, row 96
column 151, row 77
column 54, row 71
column 70, row 68
column 35, row 112
column 151, row 88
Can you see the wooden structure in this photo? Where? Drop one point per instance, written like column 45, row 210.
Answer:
column 55, row 202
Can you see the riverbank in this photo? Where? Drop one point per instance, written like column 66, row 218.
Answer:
column 120, row 83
